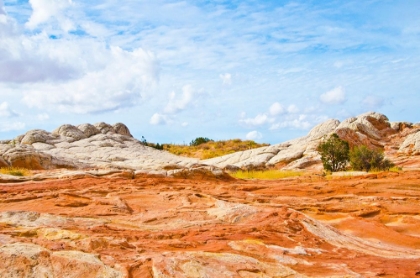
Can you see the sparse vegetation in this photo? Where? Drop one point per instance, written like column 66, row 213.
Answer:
column 334, row 153
column 15, row 171
column 265, row 175
column 212, row 148
column 200, row 140
column 364, row 159
column 157, row 146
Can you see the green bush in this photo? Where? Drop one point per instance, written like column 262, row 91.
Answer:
column 199, row 140
column 334, row 153
column 364, row 159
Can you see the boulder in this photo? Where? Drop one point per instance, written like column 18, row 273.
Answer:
column 122, row 129
column 35, row 136
column 27, row 157
column 322, row 129
column 88, row 130
column 104, row 128
column 69, row 131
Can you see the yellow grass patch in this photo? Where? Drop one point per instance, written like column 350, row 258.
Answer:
column 15, row 171
column 265, row 175
column 212, row 148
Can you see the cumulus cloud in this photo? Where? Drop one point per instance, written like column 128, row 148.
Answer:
column 77, row 76
column 158, row 119
column 177, row 104
column 121, row 82
column 260, row 119
column 254, row 135
column 226, row 78
column 6, row 111
column 293, row 121
column 373, row 102
column 45, row 10
column 335, row 96
column 276, row 109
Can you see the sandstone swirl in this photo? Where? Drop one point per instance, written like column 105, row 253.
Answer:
column 364, row 226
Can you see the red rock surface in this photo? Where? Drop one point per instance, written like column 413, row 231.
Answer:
column 364, row 226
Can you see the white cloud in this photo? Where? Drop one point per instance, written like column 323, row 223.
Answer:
column 44, row 10
column 276, row 109
column 6, row 111
column 260, row 119
column 4, row 127
column 373, row 102
column 124, row 79
column 184, row 124
column 254, row 135
column 293, row 121
column 178, row 104
column 226, row 78
column 158, row 119
column 335, row 96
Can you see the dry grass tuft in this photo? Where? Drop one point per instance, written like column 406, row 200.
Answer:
column 15, row 171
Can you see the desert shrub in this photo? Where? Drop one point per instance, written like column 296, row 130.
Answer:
column 334, row 153
column 199, row 140
column 364, row 159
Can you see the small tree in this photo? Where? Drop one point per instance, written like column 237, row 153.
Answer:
column 364, row 159
column 334, row 153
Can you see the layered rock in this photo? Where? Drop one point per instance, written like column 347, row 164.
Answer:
column 31, row 260
column 308, row 226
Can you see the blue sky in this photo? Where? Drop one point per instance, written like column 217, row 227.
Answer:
column 175, row 70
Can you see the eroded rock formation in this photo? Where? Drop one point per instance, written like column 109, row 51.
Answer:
column 106, row 146
column 400, row 141
column 117, row 226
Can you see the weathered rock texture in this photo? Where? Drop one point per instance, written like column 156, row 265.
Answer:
column 116, row 226
column 93, row 146
column 400, row 142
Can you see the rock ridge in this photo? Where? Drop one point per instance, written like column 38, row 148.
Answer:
column 106, row 146
column 400, row 141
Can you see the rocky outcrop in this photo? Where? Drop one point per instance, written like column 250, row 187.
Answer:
column 91, row 146
column 112, row 146
column 371, row 129
column 411, row 144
